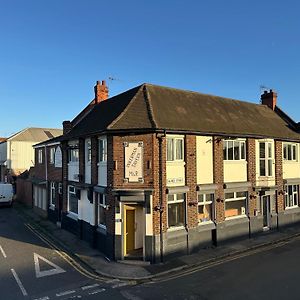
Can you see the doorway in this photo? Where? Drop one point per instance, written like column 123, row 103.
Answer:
column 266, row 210
column 129, row 231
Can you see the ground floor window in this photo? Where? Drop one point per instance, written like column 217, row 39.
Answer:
column 205, row 207
column 102, row 208
column 176, row 210
column 52, row 194
column 72, row 200
column 291, row 195
column 235, row 204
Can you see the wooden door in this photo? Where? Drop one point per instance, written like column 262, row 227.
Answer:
column 130, row 230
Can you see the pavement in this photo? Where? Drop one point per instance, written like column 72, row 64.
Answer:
column 95, row 262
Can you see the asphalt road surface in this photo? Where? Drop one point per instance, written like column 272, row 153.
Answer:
column 31, row 269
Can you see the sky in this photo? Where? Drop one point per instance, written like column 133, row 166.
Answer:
column 52, row 52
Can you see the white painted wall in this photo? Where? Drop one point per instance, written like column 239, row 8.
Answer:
column 3, row 152
column 291, row 169
column 204, row 158
column 86, row 209
column 175, row 173
column 235, row 171
column 21, row 155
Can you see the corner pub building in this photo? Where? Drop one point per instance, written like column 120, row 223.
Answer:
column 155, row 171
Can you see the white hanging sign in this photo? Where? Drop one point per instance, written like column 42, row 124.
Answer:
column 133, row 161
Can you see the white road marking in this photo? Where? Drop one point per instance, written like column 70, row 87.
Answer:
column 43, row 298
column 96, row 292
column 39, row 273
column 119, row 285
column 65, row 293
column 19, row 282
column 2, row 251
column 129, row 296
column 89, row 286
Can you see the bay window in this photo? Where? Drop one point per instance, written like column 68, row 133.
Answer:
column 102, row 150
column 291, row 197
column 265, row 159
column 73, row 153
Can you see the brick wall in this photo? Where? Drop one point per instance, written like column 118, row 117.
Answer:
column 191, row 180
column 54, row 173
column 278, row 176
column 65, row 174
column 218, row 175
column 24, row 191
column 39, row 169
column 251, row 174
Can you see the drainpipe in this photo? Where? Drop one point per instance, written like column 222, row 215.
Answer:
column 46, row 176
column 161, row 208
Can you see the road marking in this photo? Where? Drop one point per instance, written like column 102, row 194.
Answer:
column 2, row 251
column 65, row 293
column 119, row 285
column 129, row 296
column 96, row 292
column 43, row 298
column 89, row 286
column 19, row 282
column 38, row 273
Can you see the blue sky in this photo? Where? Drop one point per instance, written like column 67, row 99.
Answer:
column 52, row 52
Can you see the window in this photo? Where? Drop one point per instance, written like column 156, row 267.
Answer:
column 176, row 210
column 52, row 194
column 60, row 188
column 174, row 149
column 88, row 151
column 40, row 156
column 102, row 150
column 235, row 204
column 234, row 150
column 205, row 210
column 52, row 155
column 74, row 153
column 72, row 200
column 101, row 209
column 291, row 195
column 290, row 152
column 265, row 159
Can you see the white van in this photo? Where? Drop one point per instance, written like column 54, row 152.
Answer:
column 6, row 193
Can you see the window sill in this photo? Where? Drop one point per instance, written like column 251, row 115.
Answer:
column 101, row 229
column 236, row 217
column 178, row 228
column 241, row 161
column 52, row 207
column 291, row 210
column 72, row 215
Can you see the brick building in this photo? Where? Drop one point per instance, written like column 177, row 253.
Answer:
column 156, row 171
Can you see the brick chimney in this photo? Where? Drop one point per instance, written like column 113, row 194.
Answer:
column 101, row 91
column 67, row 127
column 269, row 99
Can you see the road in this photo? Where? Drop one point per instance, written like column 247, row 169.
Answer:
column 31, row 269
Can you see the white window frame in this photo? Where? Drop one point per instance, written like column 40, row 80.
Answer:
column 52, row 156
column 290, row 151
column 172, row 154
column 206, row 202
column 73, row 154
column 52, row 194
column 72, row 190
column 174, row 201
column 101, row 200
column 236, row 198
column 289, row 197
column 241, row 144
column 60, row 188
column 88, row 151
column 40, row 156
column 268, row 159
column 102, row 146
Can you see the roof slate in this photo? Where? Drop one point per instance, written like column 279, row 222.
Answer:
column 152, row 107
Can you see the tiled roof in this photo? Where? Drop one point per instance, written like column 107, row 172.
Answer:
column 152, row 107
column 35, row 134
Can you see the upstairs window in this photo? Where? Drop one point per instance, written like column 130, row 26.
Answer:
column 88, row 151
column 40, row 156
column 175, row 149
column 74, row 153
column 52, row 155
column 290, row 152
column 102, row 150
column 234, row 150
column 265, row 159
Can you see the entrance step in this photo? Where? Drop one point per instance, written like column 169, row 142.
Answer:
column 134, row 261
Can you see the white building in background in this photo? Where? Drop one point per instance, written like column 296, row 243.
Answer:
column 17, row 153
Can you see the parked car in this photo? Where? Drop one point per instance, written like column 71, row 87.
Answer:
column 6, row 194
